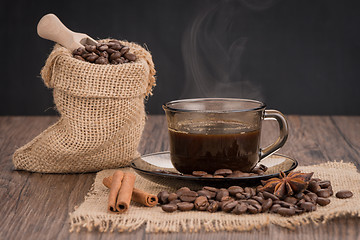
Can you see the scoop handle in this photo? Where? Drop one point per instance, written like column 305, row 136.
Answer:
column 51, row 28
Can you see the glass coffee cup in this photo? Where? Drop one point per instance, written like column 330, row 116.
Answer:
column 207, row 134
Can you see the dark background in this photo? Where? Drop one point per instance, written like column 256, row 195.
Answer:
column 300, row 57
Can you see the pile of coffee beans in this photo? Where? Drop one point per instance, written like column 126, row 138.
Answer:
column 112, row 52
column 223, row 173
column 241, row 200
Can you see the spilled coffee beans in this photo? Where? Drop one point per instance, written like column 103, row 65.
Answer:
column 241, row 200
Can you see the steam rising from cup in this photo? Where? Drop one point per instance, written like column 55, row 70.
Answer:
column 214, row 58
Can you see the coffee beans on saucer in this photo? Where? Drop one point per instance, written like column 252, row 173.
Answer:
column 112, row 52
column 223, row 173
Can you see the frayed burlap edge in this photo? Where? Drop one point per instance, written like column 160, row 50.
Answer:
column 342, row 175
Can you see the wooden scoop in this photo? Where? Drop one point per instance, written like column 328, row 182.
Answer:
column 50, row 27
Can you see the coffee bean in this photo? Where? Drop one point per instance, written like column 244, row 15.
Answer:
column 78, row 51
column 223, row 172
column 92, row 57
column 207, row 175
column 199, row 173
column 240, row 196
column 250, row 191
column 344, row 194
column 299, row 195
column 172, row 196
column 188, row 196
column 233, row 190
column 266, row 205
column 259, row 199
column 180, row 191
column 313, row 196
column 300, row 202
column 308, row 206
column 103, row 47
column 260, row 194
column 120, row 60
column 330, row 190
column 323, row 193
column 252, row 209
column 226, row 198
column 104, row 54
column 251, row 202
column 247, row 195
column 211, row 190
column 169, row 207
column 115, row 55
column 213, row 206
column 116, row 46
column 322, row 201
column 163, row 197
column 102, row 60
column 124, row 50
column 324, row 184
column 130, row 56
column 204, row 193
column 185, row 206
column 270, row 195
column 307, row 198
column 287, row 212
column 111, row 51
column 201, row 203
column 87, row 54
column 274, row 208
column 90, row 48
column 313, row 186
column 240, row 208
column 218, row 176
column 291, row 200
column 221, row 193
column 228, row 206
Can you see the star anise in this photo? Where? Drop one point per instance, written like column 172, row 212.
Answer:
column 294, row 182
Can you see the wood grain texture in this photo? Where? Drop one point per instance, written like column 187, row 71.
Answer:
column 36, row 206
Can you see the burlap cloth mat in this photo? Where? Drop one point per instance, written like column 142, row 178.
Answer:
column 92, row 213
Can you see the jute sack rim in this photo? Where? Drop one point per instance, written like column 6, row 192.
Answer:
column 83, row 79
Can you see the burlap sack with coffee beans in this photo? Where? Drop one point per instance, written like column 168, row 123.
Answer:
column 101, row 114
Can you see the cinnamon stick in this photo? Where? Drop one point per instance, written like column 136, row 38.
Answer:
column 125, row 192
column 138, row 195
column 114, row 190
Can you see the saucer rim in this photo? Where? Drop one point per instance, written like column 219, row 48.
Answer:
column 195, row 178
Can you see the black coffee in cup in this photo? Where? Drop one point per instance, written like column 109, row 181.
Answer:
column 213, row 149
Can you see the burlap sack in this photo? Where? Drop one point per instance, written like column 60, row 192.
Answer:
column 101, row 114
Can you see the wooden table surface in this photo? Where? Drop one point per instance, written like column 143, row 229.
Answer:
column 37, row 206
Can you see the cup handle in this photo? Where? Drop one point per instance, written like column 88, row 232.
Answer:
column 283, row 127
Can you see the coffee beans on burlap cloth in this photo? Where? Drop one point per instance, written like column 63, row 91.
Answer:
column 92, row 214
column 101, row 114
